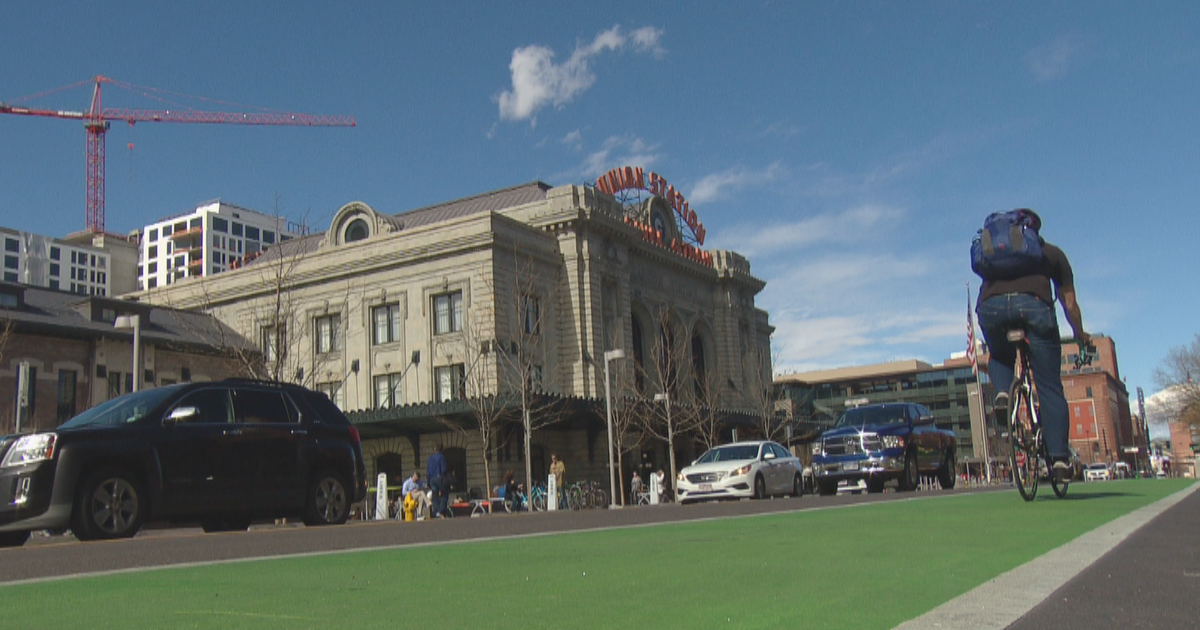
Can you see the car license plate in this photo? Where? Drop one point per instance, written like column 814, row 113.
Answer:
column 850, row 466
column 706, row 487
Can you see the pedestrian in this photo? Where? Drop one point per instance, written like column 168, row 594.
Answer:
column 413, row 488
column 435, row 471
column 512, row 496
column 559, row 470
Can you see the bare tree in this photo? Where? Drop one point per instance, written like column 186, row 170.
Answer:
column 668, row 369
column 489, row 408
column 760, row 393
column 628, row 415
column 707, row 409
column 1177, row 375
column 521, row 347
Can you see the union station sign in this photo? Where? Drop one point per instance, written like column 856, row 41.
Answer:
column 635, row 178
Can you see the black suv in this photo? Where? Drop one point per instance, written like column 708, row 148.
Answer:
column 221, row 454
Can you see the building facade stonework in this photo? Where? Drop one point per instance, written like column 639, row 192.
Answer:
column 524, row 287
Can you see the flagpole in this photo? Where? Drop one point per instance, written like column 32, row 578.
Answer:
column 987, row 451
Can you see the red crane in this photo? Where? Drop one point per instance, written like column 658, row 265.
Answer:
column 96, row 123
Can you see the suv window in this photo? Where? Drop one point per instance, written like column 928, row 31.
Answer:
column 255, row 406
column 212, row 406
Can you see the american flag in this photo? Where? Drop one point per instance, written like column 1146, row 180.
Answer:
column 971, row 335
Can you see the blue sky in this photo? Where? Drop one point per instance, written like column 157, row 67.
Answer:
column 849, row 149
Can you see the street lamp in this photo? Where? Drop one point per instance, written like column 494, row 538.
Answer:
column 612, row 472
column 134, row 322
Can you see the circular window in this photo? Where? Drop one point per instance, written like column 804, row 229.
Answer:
column 357, row 231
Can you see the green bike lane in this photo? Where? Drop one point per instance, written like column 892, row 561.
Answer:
column 842, row 562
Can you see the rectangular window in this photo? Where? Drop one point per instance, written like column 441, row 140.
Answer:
column 32, row 390
column 152, row 283
column 535, row 378
column 387, row 391
column 66, row 395
column 153, row 235
column 55, row 253
column 334, row 392
column 327, row 334
column 531, row 315
column 12, row 262
column 386, row 320
column 268, row 236
column 220, row 225
column 194, row 223
column 450, row 381
column 252, row 233
column 237, row 229
column 274, row 342
column 11, row 245
column 1089, row 392
column 54, row 269
column 10, row 276
column 447, row 313
column 252, row 406
column 114, row 384
column 54, row 284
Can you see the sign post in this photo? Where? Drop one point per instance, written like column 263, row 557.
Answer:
column 551, row 493
column 381, row 499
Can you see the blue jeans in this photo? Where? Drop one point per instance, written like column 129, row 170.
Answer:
column 439, row 496
column 998, row 315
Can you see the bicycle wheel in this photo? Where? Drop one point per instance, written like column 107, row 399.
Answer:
column 539, row 502
column 1059, row 485
column 574, row 499
column 1024, row 437
column 601, row 499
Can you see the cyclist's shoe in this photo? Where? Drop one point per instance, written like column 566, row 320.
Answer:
column 1062, row 470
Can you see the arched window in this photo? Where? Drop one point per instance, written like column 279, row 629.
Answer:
column 639, row 365
column 698, row 366
column 357, row 230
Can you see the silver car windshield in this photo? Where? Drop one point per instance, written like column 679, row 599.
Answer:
column 123, row 409
column 729, row 453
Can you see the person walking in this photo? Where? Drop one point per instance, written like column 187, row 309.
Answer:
column 1027, row 302
column 435, row 471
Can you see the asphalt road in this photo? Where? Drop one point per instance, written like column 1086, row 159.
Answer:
column 44, row 558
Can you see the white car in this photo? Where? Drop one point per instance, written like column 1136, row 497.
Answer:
column 741, row 470
column 1097, row 472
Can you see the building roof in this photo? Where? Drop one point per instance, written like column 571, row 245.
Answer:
column 857, row 372
column 68, row 314
column 494, row 201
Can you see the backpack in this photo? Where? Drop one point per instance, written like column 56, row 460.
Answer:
column 1008, row 246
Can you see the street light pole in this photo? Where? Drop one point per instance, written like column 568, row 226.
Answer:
column 612, row 472
column 126, row 322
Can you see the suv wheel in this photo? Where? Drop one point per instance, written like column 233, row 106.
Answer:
column 328, row 502
column 827, row 488
column 110, row 504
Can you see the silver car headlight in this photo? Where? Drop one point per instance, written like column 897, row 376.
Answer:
column 30, row 449
column 740, row 472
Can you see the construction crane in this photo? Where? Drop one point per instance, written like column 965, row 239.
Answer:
column 96, row 122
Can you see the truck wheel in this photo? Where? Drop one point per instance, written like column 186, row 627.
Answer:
column 947, row 476
column 827, row 488
column 910, row 478
column 874, row 486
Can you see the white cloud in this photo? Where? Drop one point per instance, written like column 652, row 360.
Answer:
column 1052, row 60
column 848, row 226
column 537, row 81
column 573, row 139
column 717, row 185
column 615, row 151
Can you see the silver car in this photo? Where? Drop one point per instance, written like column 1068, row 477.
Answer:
column 741, row 470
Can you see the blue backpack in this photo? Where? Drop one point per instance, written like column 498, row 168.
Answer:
column 1008, row 246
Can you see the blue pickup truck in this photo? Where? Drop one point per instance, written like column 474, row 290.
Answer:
column 876, row 444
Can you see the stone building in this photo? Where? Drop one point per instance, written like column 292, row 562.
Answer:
column 405, row 319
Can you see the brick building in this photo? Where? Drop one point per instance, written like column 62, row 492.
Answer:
column 1102, row 427
column 75, row 358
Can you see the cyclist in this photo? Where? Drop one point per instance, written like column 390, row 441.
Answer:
column 1028, row 303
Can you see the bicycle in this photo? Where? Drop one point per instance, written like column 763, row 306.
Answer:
column 1025, row 429
column 534, row 501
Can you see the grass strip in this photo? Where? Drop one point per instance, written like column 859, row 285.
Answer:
column 866, row 566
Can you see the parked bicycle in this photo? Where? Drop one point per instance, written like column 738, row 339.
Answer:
column 1029, row 452
column 533, row 501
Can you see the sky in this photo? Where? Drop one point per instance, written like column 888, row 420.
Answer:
column 850, row 150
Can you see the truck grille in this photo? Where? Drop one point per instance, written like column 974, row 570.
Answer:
column 851, row 444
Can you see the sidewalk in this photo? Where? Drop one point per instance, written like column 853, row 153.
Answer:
column 1139, row 571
